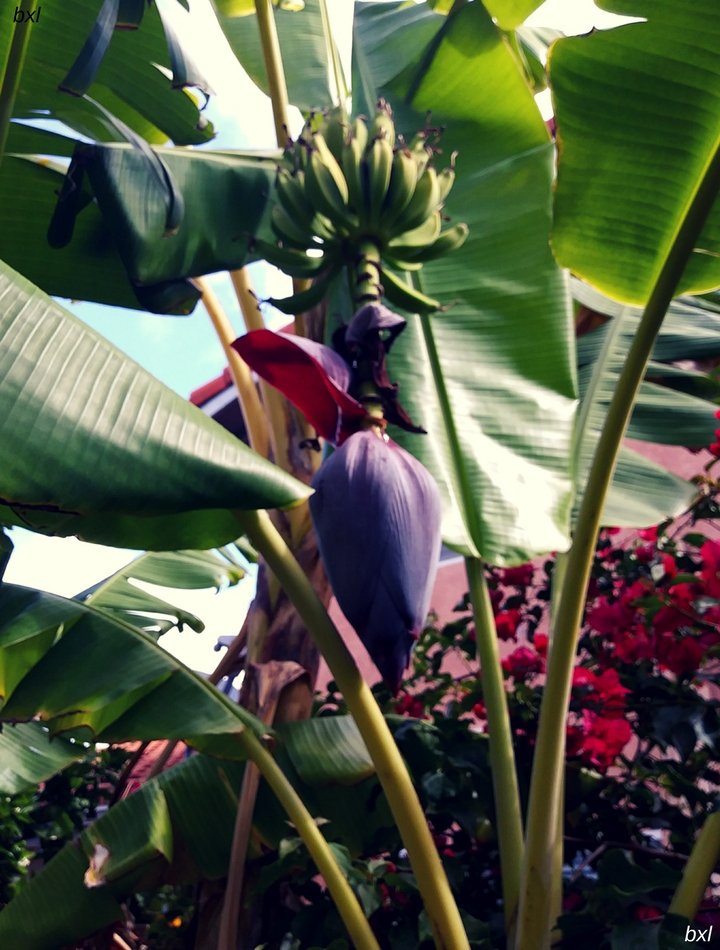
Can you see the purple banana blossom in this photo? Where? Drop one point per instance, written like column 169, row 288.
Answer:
column 376, row 511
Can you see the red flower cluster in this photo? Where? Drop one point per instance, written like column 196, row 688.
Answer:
column 506, row 623
column 520, row 576
column 671, row 622
column 523, row 662
column 600, row 731
column 408, row 705
column 714, row 447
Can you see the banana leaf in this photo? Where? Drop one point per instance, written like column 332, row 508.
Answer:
column 179, row 827
column 130, row 82
column 117, row 684
column 182, row 570
column 657, row 131
column 92, row 445
column 509, row 14
column 690, row 331
column 303, row 47
column 643, row 492
column 493, row 377
column 29, row 755
column 110, row 235
column 28, row 196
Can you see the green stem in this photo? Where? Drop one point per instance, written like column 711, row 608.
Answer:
column 347, row 904
column 274, row 69
column 402, row 798
column 558, row 579
column 696, row 874
column 542, row 822
column 502, row 759
column 13, row 71
column 366, row 274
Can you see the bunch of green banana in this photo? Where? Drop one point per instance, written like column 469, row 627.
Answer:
column 344, row 183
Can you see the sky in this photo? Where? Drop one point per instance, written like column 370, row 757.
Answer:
column 183, row 351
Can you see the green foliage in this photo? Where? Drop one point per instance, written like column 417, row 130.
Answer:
column 611, row 234
column 473, row 376
column 493, row 380
column 119, row 458
column 129, row 83
column 36, row 823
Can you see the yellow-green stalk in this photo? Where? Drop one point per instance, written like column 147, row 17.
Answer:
column 442, row 911
column 538, row 889
column 502, row 759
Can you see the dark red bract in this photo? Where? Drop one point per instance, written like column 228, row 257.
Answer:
column 311, row 375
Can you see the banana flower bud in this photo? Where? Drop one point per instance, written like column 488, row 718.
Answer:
column 376, row 512
column 376, row 509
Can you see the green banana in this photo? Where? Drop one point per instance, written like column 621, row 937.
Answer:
column 291, row 194
column 291, row 234
column 382, row 125
column 448, row 241
column 423, row 203
column 403, row 295
column 421, row 152
column 446, row 179
column 376, row 171
column 305, row 299
column 325, row 184
column 352, row 156
column 333, row 130
column 399, row 264
column 409, row 243
column 292, row 262
column 300, row 152
column 324, row 229
column 403, row 181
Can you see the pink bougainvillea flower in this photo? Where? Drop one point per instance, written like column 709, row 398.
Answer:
column 611, row 693
column 605, row 741
column 606, row 616
column 681, row 655
column 632, row 645
column 710, row 573
column 522, row 662
column 541, row 642
column 519, row 576
column 506, row 624
column 312, row 376
column 376, row 512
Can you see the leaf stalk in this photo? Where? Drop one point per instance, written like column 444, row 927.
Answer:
column 274, row 69
column 445, row 921
column 545, row 791
column 248, row 398
column 502, row 758
column 696, row 874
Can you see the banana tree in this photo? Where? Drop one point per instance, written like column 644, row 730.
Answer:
column 486, row 362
